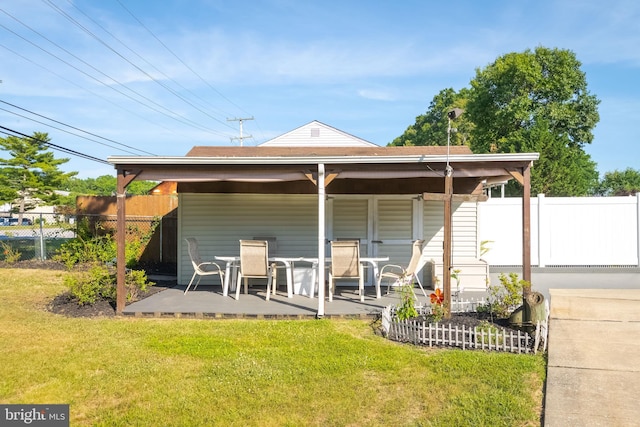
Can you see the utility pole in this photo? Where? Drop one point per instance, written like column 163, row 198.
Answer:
column 241, row 138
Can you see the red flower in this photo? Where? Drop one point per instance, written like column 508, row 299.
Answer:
column 437, row 297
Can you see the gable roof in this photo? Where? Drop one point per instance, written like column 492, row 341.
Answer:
column 317, row 134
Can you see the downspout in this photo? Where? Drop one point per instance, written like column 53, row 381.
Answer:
column 321, row 239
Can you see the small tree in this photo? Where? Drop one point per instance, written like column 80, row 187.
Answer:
column 506, row 296
column 31, row 172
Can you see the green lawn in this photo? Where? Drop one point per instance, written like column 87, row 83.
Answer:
column 179, row 372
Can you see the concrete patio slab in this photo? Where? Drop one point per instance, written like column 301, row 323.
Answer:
column 208, row 301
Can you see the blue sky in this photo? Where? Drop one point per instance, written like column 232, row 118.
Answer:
column 159, row 77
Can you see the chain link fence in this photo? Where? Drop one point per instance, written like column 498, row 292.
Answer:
column 36, row 236
column 39, row 235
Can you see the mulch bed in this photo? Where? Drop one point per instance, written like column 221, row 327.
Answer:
column 35, row 264
column 67, row 305
column 473, row 319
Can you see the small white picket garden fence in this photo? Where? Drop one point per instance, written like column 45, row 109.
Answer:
column 421, row 332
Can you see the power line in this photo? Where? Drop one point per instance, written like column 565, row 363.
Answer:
column 179, row 59
column 85, row 89
column 166, row 87
column 57, row 128
column 72, row 127
column 170, row 114
column 145, row 60
column 53, row 146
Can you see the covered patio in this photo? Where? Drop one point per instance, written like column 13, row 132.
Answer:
column 431, row 173
column 207, row 302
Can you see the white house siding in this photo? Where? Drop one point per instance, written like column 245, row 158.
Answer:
column 385, row 225
column 317, row 134
column 219, row 221
column 464, row 224
column 465, row 243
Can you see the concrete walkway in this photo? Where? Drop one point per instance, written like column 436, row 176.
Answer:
column 593, row 373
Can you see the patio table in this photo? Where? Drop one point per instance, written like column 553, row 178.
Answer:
column 371, row 261
column 233, row 262
column 230, row 268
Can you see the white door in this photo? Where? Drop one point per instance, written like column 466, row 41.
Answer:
column 396, row 226
column 385, row 225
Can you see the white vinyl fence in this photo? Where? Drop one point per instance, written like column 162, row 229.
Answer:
column 565, row 231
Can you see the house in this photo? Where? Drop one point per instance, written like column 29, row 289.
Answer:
column 317, row 183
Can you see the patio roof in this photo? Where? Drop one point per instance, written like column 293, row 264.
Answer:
column 253, row 164
column 431, row 171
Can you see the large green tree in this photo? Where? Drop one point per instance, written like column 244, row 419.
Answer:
column 30, row 173
column 620, row 183
column 538, row 101
column 430, row 128
column 534, row 101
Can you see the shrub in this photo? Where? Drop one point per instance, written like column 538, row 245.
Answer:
column 101, row 249
column 100, row 283
column 90, row 286
column 89, row 247
column 506, row 297
column 11, row 255
column 136, row 282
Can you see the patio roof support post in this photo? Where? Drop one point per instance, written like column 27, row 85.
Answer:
column 526, row 230
column 446, row 261
column 638, row 227
column 321, row 239
column 120, row 242
column 121, row 218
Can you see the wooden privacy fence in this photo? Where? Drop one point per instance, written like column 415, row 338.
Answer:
column 155, row 214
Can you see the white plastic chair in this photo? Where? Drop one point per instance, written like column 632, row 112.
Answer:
column 345, row 264
column 398, row 275
column 201, row 268
column 254, row 263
